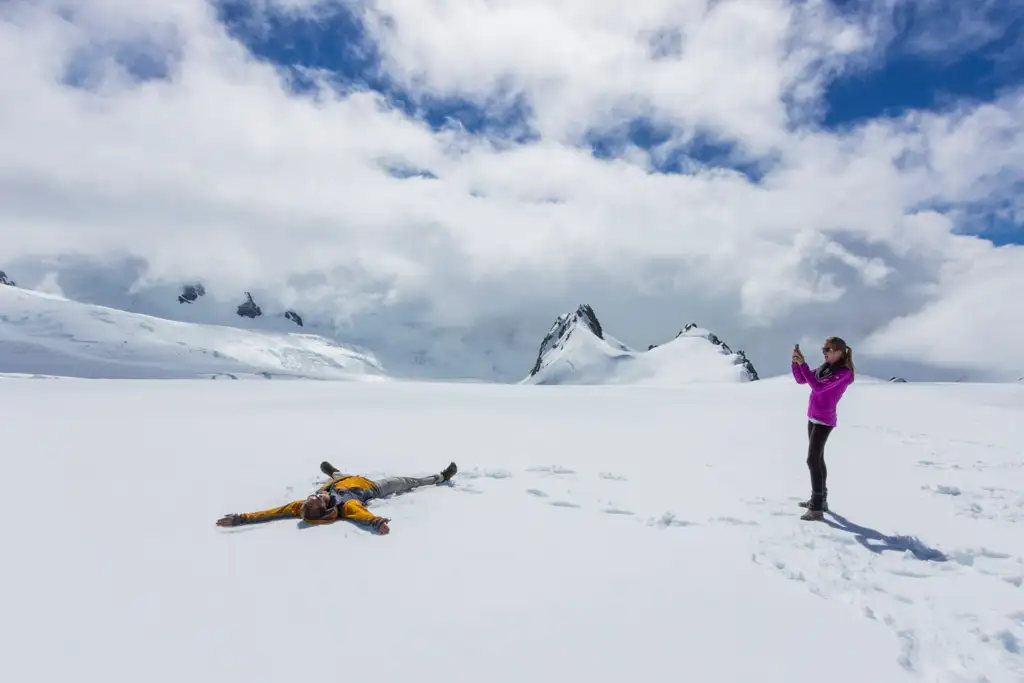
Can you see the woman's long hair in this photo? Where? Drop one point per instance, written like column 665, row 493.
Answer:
column 847, row 360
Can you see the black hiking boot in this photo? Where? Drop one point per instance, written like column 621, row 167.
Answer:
column 807, row 503
column 448, row 472
column 328, row 469
column 813, row 515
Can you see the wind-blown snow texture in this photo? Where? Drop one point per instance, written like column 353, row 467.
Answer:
column 593, row 534
column 577, row 350
column 43, row 334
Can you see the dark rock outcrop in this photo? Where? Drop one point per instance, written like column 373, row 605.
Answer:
column 562, row 330
column 189, row 293
column 294, row 317
column 249, row 309
column 4, row 280
column 897, row 380
column 747, row 365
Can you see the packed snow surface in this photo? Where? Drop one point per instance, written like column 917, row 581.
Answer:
column 592, row 534
column 43, row 334
column 584, row 358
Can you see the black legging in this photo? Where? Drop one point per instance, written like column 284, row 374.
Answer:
column 817, row 435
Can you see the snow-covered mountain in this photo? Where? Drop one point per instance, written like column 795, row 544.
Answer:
column 577, row 350
column 406, row 341
column 46, row 334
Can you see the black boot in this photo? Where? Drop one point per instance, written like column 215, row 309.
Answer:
column 328, row 469
column 813, row 515
column 824, row 502
column 448, row 472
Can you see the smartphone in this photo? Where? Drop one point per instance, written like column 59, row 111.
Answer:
column 796, row 347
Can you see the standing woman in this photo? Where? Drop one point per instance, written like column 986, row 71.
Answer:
column 827, row 383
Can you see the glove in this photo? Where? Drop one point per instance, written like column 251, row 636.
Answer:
column 230, row 520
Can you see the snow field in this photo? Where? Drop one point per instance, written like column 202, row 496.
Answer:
column 593, row 533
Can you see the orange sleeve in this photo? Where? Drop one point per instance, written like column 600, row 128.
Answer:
column 292, row 509
column 357, row 512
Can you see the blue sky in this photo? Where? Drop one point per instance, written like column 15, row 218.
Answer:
column 335, row 44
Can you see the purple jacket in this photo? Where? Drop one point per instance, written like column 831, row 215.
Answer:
column 825, row 392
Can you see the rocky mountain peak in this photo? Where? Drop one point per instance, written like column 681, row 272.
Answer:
column 563, row 328
column 189, row 293
column 248, row 308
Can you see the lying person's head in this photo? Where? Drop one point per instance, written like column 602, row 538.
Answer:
column 316, row 506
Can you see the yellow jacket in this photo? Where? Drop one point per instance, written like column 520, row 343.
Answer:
column 354, row 490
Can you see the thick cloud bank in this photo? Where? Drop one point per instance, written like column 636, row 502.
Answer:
column 148, row 130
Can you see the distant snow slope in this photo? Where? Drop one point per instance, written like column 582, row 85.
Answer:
column 578, row 351
column 400, row 335
column 44, row 334
column 640, row 535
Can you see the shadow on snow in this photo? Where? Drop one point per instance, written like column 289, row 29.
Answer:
column 877, row 542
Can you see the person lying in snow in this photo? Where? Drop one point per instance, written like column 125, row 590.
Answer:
column 343, row 497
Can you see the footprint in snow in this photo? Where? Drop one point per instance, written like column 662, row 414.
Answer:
column 943, row 490
column 736, row 522
column 1010, row 642
column 932, row 464
column 616, row 511
column 563, row 504
column 612, row 477
column 1001, row 504
column 931, row 634
column 669, row 519
column 969, row 556
column 911, row 574
column 537, row 492
column 781, row 566
column 556, row 470
column 485, row 474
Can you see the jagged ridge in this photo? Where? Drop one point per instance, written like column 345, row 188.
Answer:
column 576, row 349
column 692, row 329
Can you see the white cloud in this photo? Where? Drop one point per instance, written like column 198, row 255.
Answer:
column 973, row 322
column 586, row 64
column 221, row 173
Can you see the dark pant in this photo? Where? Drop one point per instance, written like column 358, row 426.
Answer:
column 817, row 435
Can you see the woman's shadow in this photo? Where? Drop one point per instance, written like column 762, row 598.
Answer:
column 878, row 543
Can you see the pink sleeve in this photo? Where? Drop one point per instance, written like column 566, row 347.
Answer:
column 798, row 375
